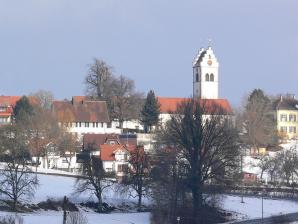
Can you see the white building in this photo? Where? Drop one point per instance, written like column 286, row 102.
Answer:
column 205, row 75
column 82, row 116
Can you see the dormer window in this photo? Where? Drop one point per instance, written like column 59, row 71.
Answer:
column 207, row 77
column 211, row 77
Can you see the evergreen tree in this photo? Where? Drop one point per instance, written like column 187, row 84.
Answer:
column 23, row 109
column 150, row 111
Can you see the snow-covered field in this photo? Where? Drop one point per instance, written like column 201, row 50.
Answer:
column 252, row 207
column 56, row 187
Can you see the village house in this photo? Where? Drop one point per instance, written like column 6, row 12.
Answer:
column 7, row 104
column 114, row 151
column 82, row 116
column 287, row 117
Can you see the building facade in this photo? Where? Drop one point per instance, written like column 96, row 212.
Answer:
column 205, row 75
column 287, row 117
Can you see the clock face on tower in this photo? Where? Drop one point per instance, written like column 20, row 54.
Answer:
column 209, row 62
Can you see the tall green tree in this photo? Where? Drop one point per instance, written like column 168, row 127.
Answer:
column 23, row 109
column 150, row 112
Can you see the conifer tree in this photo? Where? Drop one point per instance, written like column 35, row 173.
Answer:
column 150, row 111
column 23, row 110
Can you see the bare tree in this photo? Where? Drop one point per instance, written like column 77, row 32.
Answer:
column 257, row 125
column 98, row 79
column 138, row 175
column 43, row 131
column 76, row 218
column 264, row 162
column 206, row 142
column 16, row 180
column 95, row 181
column 44, row 99
column 67, row 145
column 124, row 102
column 288, row 165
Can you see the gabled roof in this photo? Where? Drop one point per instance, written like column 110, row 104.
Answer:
column 95, row 140
column 107, row 152
column 82, row 111
column 9, row 100
column 169, row 105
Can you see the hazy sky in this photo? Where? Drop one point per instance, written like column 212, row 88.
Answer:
column 47, row 44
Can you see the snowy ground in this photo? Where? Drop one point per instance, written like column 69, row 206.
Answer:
column 93, row 218
column 57, row 187
column 252, row 207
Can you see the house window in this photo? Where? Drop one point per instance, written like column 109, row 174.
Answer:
column 283, row 129
column 96, row 124
column 80, row 124
column 292, row 117
column 292, row 129
column 211, row 77
column 109, row 125
column 207, row 77
column 122, row 168
column 76, row 124
column 102, row 124
column 197, row 77
column 87, row 124
column 3, row 120
column 283, row 117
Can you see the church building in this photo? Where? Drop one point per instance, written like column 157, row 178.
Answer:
column 205, row 86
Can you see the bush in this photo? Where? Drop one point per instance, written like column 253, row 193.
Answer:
column 12, row 219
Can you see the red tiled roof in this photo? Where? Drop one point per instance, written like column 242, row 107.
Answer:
column 95, row 140
column 9, row 100
column 84, row 111
column 107, row 151
column 169, row 105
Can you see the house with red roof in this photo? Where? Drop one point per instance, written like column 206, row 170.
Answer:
column 7, row 104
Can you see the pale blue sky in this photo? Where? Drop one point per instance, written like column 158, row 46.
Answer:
column 47, row 44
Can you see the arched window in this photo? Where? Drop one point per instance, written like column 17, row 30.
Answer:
column 211, row 77
column 207, row 77
column 197, row 77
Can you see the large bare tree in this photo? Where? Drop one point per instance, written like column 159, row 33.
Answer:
column 256, row 123
column 124, row 102
column 98, row 79
column 206, row 143
column 137, row 181
column 16, row 179
column 96, row 180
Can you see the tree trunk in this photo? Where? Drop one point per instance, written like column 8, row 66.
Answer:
column 139, row 202
column 99, row 207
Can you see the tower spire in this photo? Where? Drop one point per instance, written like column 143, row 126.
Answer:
column 209, row 42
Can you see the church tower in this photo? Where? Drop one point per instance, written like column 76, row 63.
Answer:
column 205, row 75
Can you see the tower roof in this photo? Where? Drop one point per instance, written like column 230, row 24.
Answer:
column 204, row 55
